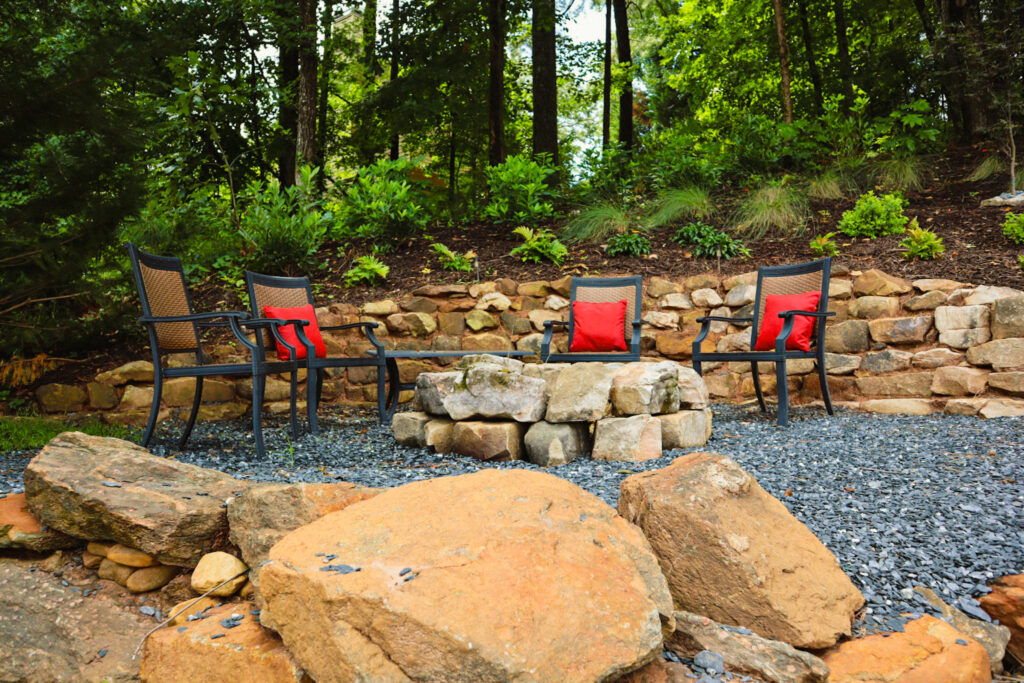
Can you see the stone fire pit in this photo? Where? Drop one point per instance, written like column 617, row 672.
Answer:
column 494, row 408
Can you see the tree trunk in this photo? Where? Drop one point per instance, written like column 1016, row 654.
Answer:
column 305, row 139
column 812, row 62
column 496, row 85
column 784, row 86
column 393, row 155
column 843, row 53
column 369, row 38
column 926, row 22
column 326, row 24
column 545, row 81
column 606, row 112
column 287, row 116
column 626, row 60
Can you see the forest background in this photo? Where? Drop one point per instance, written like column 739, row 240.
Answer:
column 266, row 134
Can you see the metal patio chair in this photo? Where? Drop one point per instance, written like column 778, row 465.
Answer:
column 174, row 328
column 599, row 290
column 778, row 280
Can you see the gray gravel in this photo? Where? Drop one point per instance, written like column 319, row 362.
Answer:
column 902, row 501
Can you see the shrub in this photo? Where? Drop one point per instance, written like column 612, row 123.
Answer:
column 451, row 260
column 707, row 242
column 384, row 203
column 775, row 209
column 596, row 224
column 519, row 192
column 1013, row 227
column 921, row 244
column 673, row 205
column 875, row 216
column 633, row 243
column 824, row 245
column 368, row 270
column 538, row 246
column 283, row 227
column 900, row 173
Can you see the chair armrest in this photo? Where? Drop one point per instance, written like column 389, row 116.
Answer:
column 809, row 314
column 551, row 323
column 274, row 325
column 193, row 317
column 723, row 318
column 351, row 326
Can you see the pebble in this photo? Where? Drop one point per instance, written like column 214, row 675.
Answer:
column 102, row 653
column 148, row 611
column 111, row 484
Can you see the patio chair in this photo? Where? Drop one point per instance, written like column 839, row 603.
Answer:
column 174, row 328
column 775, row 321
column 594, row 335
column 295, row 292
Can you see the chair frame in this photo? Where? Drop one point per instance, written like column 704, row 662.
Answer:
column 316, row 367
column 780, row 354
column 633, row 354
column 237, row 321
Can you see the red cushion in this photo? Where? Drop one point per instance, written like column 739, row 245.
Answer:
column 771, row 324
column 598, row 327
column 312, row 330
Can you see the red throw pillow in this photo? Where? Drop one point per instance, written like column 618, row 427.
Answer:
column 598, row 326
column 312, row 330
column 771, row 323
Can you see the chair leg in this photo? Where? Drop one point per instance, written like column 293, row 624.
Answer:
column 394, row 388
column 197, row 400
column 783, row 392
column 756, row 376
column 154, row 409
column 697, row 368
column 313, row 385
column 258, row 390
column 823, row 380
column 382, row 394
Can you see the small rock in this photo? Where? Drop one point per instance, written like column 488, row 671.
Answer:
column 215, row 568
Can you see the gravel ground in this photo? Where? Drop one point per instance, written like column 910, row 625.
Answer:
column 902, row 501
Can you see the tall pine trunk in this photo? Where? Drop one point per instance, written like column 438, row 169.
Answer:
column 606, row 112
column 812, row 61
column 393, row 155
column 287, row 115
column 305, row 138
column 626, row 60
column 326, row 25
column 545, row 81
column 785, row 90
column 496, row 81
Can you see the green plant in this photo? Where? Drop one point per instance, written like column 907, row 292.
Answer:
column 26, row 433
column 776, row 208
column 368, row 270
column 283, row 227
column 707, row 242
column 383, row 202
column 1013, row 227
column 673, row 205
column 989, row 166
column 1020, row 261
column 900, row 173
column 538, row 246
column 921, row 244
column 519, row 191
column 874, row 216
column 633, row 243
column 451, row 260
column 824, row 245
column 596, row 224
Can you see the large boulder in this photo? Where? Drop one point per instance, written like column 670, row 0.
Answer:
column 646, row 388
column 685, row 429
column 1006, row 603
column 927, row 650
column 556, row 444
column 992, row 637
column 734, row 553
column 264, row 514
column 580, row 393
column 100, row 488
column 524, row 576
column 488, row 440
column 485, row 387
column 19, row 528
column 627, row 439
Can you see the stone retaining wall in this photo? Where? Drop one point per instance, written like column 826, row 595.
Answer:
column 894, row 346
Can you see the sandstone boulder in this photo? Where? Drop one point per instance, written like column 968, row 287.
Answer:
column 1008, row 318
column 693, row 392
column 675, row 301
column 898, row 406
column 936, row 358
column 1001, row 407
column 1001, row 354
column 740, row 295
column 927, row 650
column 556, row 444
column 958, row 381
column 961, row 317
column 580, row 393
column 1006, row 603
column 985, row 294
column 875, row 307
column 937, row 285
column 438, row 434
column 1012, row 382
column 660, row 671
column 906, row 384
column 102, row 488
column 627, row 439
column 900, row 330
column 264, row 514
column 645, row 388
column 663, row 320
column 19, row 528
column 523, row 577
column 408, row 428
column 488, row 440
column 204, row 650
column 685, row 429
column 718, row 533
column 927, row 302
column 484, row 387
column 990, row 636
column 876, row 283
column 132, row 371
column 658, row 287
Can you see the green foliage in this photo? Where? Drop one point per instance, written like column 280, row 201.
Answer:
column 367, row 270
column 832, row 184
column 707, row 242
column 874, row 216
column 676, row 204
column 989, row 166
column 451, row 260
column 921, row 244
column 633, row 243
column 776, row 208
column 611, row 176
column 1013, row 227
column 539, row 246
column 596, row 224
column 824, row 245
column 283, row 227
column 28, row 433
column 519, row 192
column 1020, row 261
column 900, row 173
column 383, row 203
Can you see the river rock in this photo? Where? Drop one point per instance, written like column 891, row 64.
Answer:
column 112, row 571
column 627, row 439
column 130, row 557
column 718, row 533
column 525, row 576
column 580, row 393
column 216, row 568
column 685, row 429
column 556, row 444
column 102, row 488
column 150, row 578
column 645, row 388
column 19, row 528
